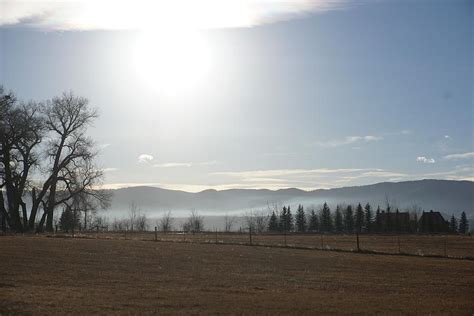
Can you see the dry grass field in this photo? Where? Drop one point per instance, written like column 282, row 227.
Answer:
column 40, row 275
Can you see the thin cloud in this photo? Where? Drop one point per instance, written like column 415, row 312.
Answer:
column 145, row 158
column 350, row 140
column 184, row 164
column 103, row 146
column 172, row 164
column 467, row 155
column 157, row 14
column 284, row 172
column 424, row 159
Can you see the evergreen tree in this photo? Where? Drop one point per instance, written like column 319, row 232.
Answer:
column 68, row 220
column 349, row 219
column 273, row 223
column 289, row 220
column 338, row 220
column 282, row 221
column 397, row 221
column 463, row 224
column 378, row 220
column 300, row 219
column 326, row 221
column 313, row 222
column 359, row 218
column 453, row 225
column 388, row 219
column 368, row 218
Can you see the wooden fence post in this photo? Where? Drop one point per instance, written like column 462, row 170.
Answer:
column 216, row 235
column 357, row 237
column 285, row 238
column 398, row 241
column 445, row 246
column 156, row 233
column 250, row 234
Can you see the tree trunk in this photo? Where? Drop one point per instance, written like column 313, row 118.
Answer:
column 50, row 209
column 34, row 210
column 25, row 216
column 40, row 227
column 3, row 213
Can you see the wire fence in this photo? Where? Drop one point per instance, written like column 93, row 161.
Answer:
column 453, row 246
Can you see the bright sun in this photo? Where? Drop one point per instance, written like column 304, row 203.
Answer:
column 171, row 61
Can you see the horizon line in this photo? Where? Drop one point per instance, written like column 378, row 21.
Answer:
column 118, row 186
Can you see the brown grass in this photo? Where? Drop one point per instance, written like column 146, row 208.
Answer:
column 41, row 275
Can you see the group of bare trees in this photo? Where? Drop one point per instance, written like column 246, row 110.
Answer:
column 46, row 161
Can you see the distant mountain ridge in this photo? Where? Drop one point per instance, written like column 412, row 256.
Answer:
column 447, row 196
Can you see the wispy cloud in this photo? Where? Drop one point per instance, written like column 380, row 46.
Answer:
column 284, row 172
column 153, row 14
column 103, row 146
column 172, row 164
column 184, row 164
column 424, row 159
column 467, row 155
column 306, row 179
column 145, row 158
column 349, row 140
column 311, row 178
column 458, row 173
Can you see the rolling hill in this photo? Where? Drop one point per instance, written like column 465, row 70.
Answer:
column 446, row 196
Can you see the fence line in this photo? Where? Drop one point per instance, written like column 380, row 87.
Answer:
column 419, row 245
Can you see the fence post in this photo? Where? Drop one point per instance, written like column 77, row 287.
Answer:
column 445, row 246
column 216, row 235
column 156, row 233
column 250, row 234
column 357, row 237
column 285, row 238
column 398, row 241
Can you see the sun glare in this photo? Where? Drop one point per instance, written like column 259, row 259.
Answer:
column 172, row 61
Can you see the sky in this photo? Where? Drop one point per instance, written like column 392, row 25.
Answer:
column 257, row 93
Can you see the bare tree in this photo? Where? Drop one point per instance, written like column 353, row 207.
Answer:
column 229, row 222
column 63, row 164
column 142, row 222
column 194, row 223
column 133, row 214
column 21, row 131
column 257, row 221
column 137, row 219
column 69, row 150
column 165, row 223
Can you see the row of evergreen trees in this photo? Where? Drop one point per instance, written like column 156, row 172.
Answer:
column 348, row 220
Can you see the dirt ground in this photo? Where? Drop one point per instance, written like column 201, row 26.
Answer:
column 40, row 275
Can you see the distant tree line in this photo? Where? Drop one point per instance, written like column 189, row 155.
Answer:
column 362, row 219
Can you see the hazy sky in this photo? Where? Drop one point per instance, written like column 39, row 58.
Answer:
column 257, row 94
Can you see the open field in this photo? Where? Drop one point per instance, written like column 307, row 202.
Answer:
column 63, row 275
column 423, row 245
